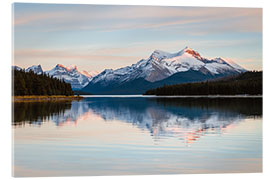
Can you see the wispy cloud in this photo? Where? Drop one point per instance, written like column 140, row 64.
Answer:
column 128, row 17
column 84, row 59
column 100, row 58
column 38, row 17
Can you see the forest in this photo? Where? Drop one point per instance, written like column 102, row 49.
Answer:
column 29, row 83
column 247, row 83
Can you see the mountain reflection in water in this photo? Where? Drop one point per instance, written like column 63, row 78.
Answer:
column 183, row 118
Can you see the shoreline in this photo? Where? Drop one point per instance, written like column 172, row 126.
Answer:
column 171, row 96
column 36, row 98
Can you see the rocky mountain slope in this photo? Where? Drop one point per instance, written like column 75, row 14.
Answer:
column 161, row 68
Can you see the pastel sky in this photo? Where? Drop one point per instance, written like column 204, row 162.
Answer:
column 98, row 37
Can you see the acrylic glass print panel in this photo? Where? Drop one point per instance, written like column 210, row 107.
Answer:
column 135, row 90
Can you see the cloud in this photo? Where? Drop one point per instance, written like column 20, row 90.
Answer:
column 84, row 59
column 59, row 54
column 99, row 58
column 24, row 20
column 112, row 18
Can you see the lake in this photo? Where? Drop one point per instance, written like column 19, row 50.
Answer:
column 131, row 135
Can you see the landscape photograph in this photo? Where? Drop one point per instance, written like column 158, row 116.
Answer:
column 102, row 90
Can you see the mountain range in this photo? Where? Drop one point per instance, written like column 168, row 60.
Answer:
column 70, row 74
column 161, row 68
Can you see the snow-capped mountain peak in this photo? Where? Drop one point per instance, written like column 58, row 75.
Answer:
column 72, row 67
column 35, row 68
column 66, row 68
column 192, row 52
column 158, row 55
column 69, row 74
column 161, row 65
column 60, row 66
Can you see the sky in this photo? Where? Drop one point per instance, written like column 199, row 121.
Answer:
column 98, row 37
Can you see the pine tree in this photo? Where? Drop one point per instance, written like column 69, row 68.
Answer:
column 29, row 83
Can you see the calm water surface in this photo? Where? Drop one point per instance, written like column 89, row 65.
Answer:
column 123, row 135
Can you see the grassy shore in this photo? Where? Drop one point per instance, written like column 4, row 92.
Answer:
column 45, row 98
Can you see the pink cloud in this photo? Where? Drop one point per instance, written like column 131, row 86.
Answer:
column 246, row 19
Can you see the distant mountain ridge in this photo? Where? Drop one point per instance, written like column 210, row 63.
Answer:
column 36, row 69
column 69, row 74
column 161, row 68
column 16, row 68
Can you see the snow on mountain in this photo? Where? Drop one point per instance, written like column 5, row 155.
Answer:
column 161, row 65
column 188, row 59
column 70, row 75
column 16, row 68
column 72, row 67
column 35, row 68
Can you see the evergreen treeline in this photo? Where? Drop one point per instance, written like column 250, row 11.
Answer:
column 245, row 83
column 29, row 83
